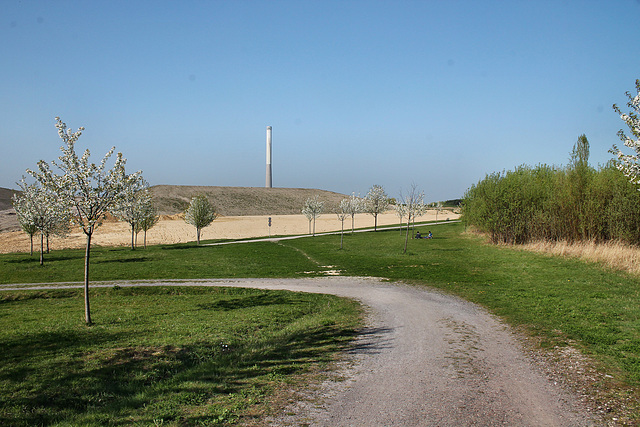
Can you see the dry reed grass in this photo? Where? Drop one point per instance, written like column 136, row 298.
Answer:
column 616, row 255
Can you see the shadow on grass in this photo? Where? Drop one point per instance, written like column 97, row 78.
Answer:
column 48, row 258
column 52, row 382
column 80, row 377
column 179, row 246
column 146, row 381
column 121, row 260
column 247, row 302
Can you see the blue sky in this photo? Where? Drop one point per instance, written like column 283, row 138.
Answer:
column 432, row 93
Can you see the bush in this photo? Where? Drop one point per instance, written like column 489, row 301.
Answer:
column 573, row 203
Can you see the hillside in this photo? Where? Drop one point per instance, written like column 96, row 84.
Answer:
column 240, row 201
column 229, row 201
column 5, row 198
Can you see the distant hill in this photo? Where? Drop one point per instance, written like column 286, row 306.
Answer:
column 5, row 198
column 229, row 201
column 8, row 220
column 239, row 201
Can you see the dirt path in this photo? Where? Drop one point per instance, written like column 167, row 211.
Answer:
column 426, row 359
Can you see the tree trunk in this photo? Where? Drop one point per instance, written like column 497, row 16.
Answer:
column 198, row 235
column 87, row 311
column 352, row 223
column 145, row 239
column 375, row 222
column 47, row 243
column 41, row 248
column 314, row 227
column 132, row 234
column 342, row 234
column 406, row 237
column 31, row 238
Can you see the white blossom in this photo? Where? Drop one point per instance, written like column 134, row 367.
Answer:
column 312, row 210
column 87, row 189
column 376, row 202
column 628, row 163
column 39, row 209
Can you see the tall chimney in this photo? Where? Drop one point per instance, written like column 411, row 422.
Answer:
column 268, row 181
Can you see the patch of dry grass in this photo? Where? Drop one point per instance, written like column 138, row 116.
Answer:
column 616, row 255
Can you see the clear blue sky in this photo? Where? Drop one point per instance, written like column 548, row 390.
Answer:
column 432, row 93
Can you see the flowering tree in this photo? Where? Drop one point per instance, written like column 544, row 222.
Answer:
column 312, row 210
column 376, row 202
column 628, row 163
column 200, row 214
column 24, row 218
column 40, row 210
column 131, row 207
column 356, row 205
column 343, row 211
column 87, row 189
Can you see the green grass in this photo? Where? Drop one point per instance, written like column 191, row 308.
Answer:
column 178, row 355
column 181, row 261
column 560, row 301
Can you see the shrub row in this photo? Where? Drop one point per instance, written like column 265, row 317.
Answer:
column 572, row 203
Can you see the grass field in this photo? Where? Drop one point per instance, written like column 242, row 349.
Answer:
column 170, row 356
column 560, row 301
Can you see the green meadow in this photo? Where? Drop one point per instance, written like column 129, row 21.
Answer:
column 198, row 356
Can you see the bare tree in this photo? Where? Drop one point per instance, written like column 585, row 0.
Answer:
column 312, row 210
column 413, row 202
column 438, row 209
column 343, row 211
column 401, row 212
column 87, row 189
column 200, row 214
column 376, row 202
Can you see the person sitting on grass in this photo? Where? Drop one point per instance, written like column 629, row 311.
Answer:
column 418, row 235
column 429, row 236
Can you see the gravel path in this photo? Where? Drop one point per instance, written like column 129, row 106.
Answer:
column 429, row 359
column 425, row 359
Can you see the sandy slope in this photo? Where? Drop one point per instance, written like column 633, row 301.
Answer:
column 175, row 230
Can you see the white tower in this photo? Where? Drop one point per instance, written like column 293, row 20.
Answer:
column 268, row 181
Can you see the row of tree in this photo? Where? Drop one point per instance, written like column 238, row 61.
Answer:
column 410, row 206
column 576, row 202
column 375, row 202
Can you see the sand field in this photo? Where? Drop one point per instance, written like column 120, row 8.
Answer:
column 173, row 229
